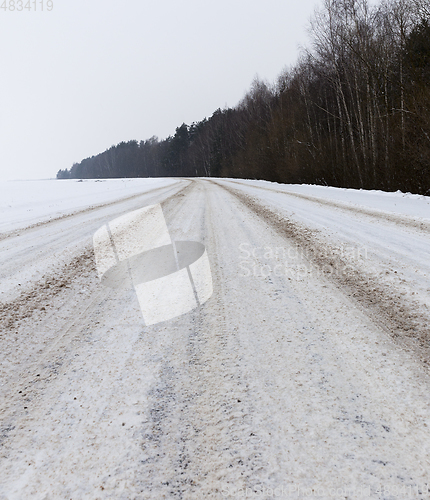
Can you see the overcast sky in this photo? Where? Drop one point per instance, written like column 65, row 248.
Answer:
column 89, row 74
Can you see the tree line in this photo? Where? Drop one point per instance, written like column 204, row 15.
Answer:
column 353, row 112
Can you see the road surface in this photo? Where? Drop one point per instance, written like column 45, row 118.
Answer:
column 305, row 375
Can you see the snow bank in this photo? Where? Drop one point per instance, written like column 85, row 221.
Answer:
column 412, row 205
column 23, row 203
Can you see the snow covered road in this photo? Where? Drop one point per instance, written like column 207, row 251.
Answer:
column 305, row 375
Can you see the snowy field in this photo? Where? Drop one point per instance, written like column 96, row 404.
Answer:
column 23, row 203
column 304, row 375
column 413, row 205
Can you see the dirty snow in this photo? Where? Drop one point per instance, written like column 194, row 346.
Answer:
column 296, row 379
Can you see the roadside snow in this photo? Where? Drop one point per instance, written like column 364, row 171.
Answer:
column 413, row 205
column 25, row 203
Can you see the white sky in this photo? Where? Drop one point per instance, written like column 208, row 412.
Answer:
column 90, row 74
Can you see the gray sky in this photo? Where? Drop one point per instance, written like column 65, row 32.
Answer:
column 90, row 74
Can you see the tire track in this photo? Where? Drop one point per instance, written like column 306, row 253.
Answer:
column 200, row 404
column 39, row 296
column 90, row 209
column 374, row 214
column 401, row 318
column 37, row 326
